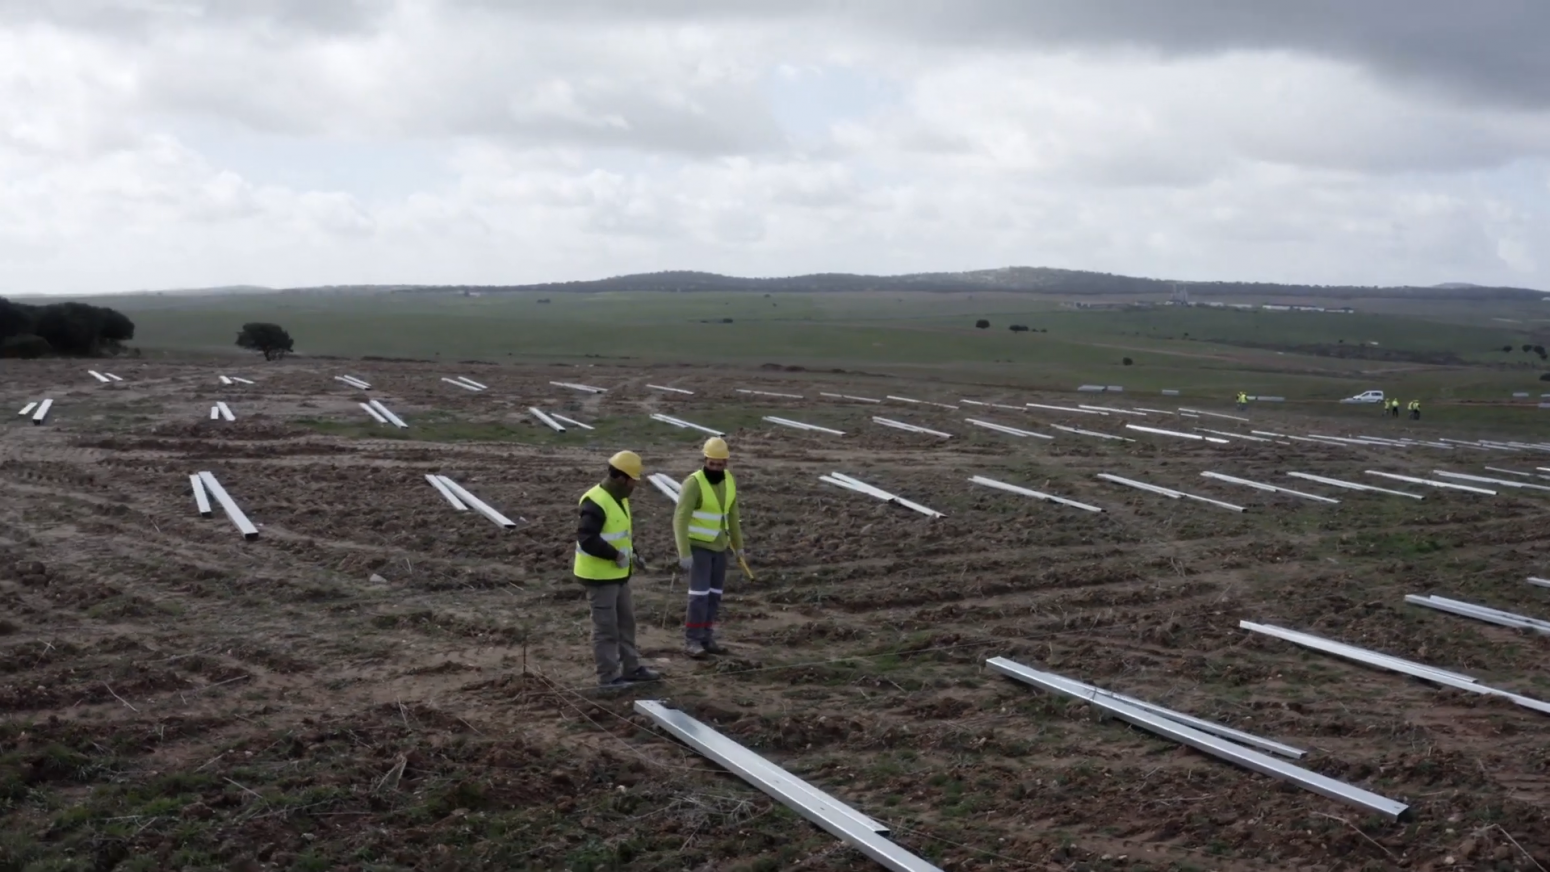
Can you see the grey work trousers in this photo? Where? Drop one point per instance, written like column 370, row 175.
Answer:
column 613, row 629
column 706, row 577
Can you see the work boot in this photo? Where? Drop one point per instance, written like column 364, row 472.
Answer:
column 714, row 647
column 641, row 673
column 613, row 685
column 695, row 650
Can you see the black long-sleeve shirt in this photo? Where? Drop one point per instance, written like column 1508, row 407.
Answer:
column 589, row 532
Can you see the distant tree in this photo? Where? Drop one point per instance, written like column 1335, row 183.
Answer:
column 1019, row 328
column 15, row 318
column 64, row 328
column 1128, row 362
column 1506, row 348
column 25, row 346
column 982, row 324
column 269, row 339
column 1527, row 348
column 1544, row 376
column 1539, row 350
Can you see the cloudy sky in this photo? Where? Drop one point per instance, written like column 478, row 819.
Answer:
column 190, row 143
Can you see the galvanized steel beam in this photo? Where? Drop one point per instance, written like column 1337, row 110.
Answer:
column 476, row 504
column 911, row 428
column 1351, row 485
column 1214, row 745
column 1267, row 487
column 827, row 812
column 201, row 499
column 787, row 422
column 1002, row 428
column 232, row 511
column 1426, row 481
column 446, row 492
column 1012, row 488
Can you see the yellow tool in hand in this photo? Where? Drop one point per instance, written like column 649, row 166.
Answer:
column 743, row 564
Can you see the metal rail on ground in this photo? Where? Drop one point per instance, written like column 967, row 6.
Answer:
column 833, row 816
column 1215, row 745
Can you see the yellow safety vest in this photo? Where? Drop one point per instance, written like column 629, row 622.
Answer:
column 1243, row 398
column 616, row 532
column 1415, row 404
column 711, row 517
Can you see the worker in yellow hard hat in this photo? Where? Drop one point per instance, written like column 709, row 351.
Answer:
column 604, row 556
column 705, row 526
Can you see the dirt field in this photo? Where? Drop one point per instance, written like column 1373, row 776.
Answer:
column 378, row 682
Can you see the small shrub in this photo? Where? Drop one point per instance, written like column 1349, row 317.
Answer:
column 1128, row 362
column 982, row 324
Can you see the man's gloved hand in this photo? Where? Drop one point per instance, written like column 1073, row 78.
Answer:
column 622, row 560
column 686, row 563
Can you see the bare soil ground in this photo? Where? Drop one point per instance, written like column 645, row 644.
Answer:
column 378, row 682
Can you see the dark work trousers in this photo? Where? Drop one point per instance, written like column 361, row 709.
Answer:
column 613, row 629
column 706, row 577
column 1415, row 414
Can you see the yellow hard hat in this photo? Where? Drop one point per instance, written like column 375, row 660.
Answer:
column 627, row 462
column 716, row 448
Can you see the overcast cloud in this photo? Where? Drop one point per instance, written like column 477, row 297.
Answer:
column 188, row 143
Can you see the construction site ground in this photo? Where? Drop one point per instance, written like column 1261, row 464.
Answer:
column 379, row 682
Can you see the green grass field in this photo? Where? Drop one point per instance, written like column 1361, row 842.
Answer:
column 1196, row 350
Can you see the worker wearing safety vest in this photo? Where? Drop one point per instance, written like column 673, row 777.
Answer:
column 1415, row 410
column 705, row 526
column 604, row 555
column 1393, row 405
column 1243, row 401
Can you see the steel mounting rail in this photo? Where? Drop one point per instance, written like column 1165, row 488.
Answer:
column 239, row 519
column 832, row 815
column 686, row 425
column 546, row 420
column 1267, row 487
column 1215, row 745
column 1426, row 481
column 1010, row 431
column 1351, row 485
column 909, row 428
column 855, row 484
column 1166, row 491
column 848, row 397
column 669, row 488
column 1012, row 488
column 1393, row 664
column 1481, row 613
column 1161, row 432
column 477, row 504
column 800, row 425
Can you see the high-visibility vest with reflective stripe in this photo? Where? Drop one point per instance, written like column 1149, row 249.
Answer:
column 1415, row 404
column 616, row 532
column 711, row 517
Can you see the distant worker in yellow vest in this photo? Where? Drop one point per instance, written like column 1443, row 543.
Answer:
column 1393, row 405
column 1415, row 410
column 605, row 553
column 706, row 527
column 1243, row 401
